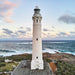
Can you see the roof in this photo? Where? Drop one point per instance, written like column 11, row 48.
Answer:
column 25, row 69
column 7, row 60
column 36, row 7
column 53, row 66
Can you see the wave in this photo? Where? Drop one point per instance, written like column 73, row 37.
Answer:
column 57, row 42
column 6, row 51
column 10, row 53
column 16, row 52
column 69, row 52
column 22, row 43
column 50, row 50
column 53, row 51
column 73, row 53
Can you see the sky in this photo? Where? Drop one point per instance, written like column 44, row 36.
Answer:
column 58, row 19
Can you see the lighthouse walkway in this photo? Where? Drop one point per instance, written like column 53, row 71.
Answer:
column 24, row 68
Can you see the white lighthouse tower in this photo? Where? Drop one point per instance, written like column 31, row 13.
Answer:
column 37, row 61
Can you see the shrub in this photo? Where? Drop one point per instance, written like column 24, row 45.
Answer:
column 20, row 57
column 49, row 60
column 2, row 64
column 65, row 68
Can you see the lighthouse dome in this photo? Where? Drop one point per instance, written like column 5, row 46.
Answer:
column 37, row 12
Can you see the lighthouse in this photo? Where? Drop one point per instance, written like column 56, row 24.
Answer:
column 37, row 61
column 43, row 68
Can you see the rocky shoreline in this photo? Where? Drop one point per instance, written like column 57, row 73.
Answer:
column 60, row 59
column 69, row 58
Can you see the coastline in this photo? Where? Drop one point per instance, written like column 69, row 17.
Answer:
column 69, row 58
column 51, row 51
column 57, row 57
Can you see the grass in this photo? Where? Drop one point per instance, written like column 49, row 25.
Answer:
column 8, row 67
column 65, row 68
column 20, row 57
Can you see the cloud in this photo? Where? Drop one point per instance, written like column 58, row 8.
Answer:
column 7, row 31
column 72, row 32
column 21, row 34
column 48, row 30
column 45, row 29
column 21, row 31
column 48, row 34
column 53, row 27
column 28, row 29
column 8, row 20
column 68, row 19
column 21, row 27
column 6, row 10
column 10, row 34
column 63, row 34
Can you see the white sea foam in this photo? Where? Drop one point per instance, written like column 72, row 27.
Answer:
column 28, row 51
column 73, row 53
column 50, row 50
column 16, row 53
column 57, row 42
column 25, row 43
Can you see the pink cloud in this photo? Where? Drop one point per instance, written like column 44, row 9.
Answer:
column 8, row 20
column 6, row 10
column 9, row 13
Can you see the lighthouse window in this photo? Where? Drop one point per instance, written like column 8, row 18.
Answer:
column 37, row 21
column 36, row 57
column 34, row 20
column 36, row 38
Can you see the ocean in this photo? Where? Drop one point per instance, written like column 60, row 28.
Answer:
column 8, row 48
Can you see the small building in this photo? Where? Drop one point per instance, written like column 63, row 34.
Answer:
column 7, row 60
column 53, row 67
column 6, row 73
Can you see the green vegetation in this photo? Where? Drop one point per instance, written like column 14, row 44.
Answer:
column 1, row 59
column 62, row 67
column 20, row 57
column 2, row 64
column 65, row 68
column 7, row 67
column 48, row 60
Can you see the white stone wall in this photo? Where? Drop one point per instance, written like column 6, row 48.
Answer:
column 37, row 64
column 37, row 44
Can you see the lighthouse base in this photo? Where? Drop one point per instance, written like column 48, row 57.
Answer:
column 37, row 64
column 23, row 68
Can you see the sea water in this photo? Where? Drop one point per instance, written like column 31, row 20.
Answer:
column 8, row 48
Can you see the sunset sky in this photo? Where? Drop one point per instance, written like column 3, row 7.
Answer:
column 58, row 21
